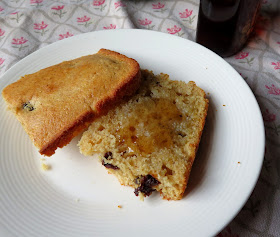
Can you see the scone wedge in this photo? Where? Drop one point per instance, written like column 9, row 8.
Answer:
column 150, row 141
column 56, row 103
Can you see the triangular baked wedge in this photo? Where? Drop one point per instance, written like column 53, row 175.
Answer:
column 150, row 141
column 56, row 103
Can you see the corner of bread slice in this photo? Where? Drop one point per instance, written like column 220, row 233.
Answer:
column 134, row 67
column 62, row 139
column 128, row 86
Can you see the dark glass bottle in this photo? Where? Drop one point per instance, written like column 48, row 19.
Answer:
column 225, row 25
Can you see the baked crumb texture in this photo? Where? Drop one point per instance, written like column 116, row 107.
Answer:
column 58, row 102
column 149, row 142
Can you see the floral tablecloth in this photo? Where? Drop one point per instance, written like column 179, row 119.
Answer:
column 27, row 25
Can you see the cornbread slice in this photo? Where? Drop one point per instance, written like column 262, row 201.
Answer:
column 149, row 142
column 56, row 103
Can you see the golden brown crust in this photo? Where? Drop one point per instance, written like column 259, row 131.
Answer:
column 196, row 145
column 126, row 89
column 193, row 148
column 56, row 103
column 68, row 134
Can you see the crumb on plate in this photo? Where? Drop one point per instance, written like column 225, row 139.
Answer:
column 45, row 166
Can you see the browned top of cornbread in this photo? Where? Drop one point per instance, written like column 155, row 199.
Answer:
column 55, row 103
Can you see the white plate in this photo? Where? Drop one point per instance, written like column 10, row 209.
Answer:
column 78, row 198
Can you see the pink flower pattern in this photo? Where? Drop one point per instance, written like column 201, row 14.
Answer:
column 99, row 4
column 244, row 55
column 187, row 13
column 64, row 36
column 17, row 16
column 36, row 3
column 241, row 55
column 273, row 90
column 2, row 60
column 85, row 21
column 2, row 32
column 41, row 27
column 1, row 9
column 19, row 43
column 58, row 8
column 268, row 117
column 271, row 118
column 146, row 23
column 58, row 11
column 277, row 65
column 119, row 4
column 110, row 27
column 175, row 30
column 186, row 16
column 159, row 7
